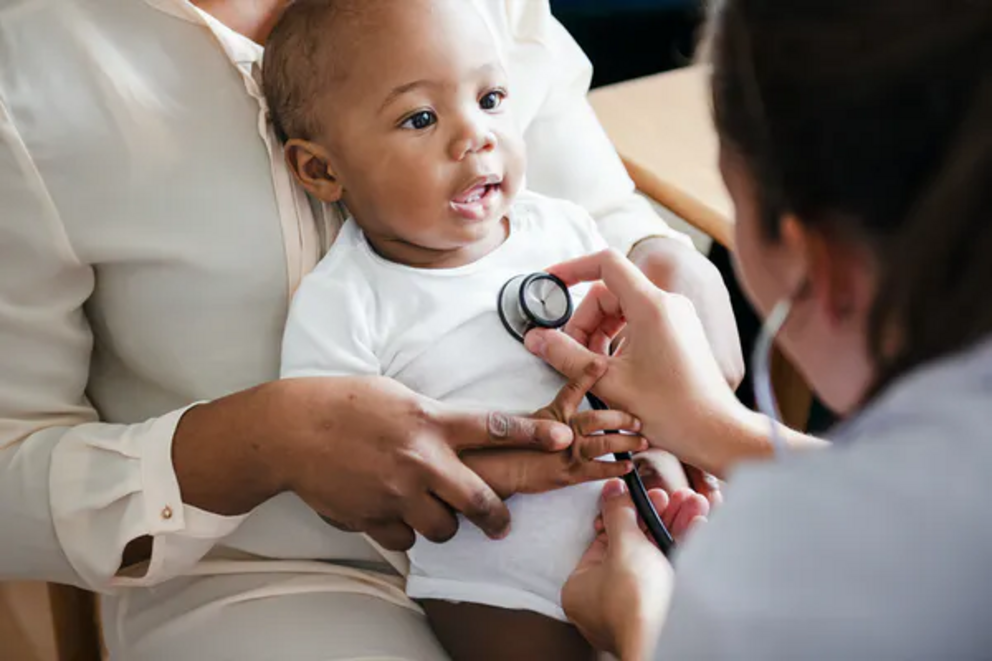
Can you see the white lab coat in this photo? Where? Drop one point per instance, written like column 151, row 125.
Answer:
column 879, row 548
column 150, row 239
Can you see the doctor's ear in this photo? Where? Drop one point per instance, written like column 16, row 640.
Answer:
column 310, row 164
column 837, row 270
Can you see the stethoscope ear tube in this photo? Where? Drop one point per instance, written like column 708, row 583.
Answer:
column 639, row 494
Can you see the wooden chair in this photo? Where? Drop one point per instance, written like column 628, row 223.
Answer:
column 44, row 622
column 76, row 623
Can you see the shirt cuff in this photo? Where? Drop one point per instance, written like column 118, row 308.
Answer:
column 625, row 226
column 111, row 484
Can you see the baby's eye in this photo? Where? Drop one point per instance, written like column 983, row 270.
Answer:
column 420, row 120
column 492, row 100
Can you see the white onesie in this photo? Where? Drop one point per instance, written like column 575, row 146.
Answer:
column 438, row 332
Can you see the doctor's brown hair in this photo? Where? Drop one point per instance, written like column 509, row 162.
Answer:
column 873, row 119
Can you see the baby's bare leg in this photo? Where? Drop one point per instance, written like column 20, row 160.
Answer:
column 472, row 632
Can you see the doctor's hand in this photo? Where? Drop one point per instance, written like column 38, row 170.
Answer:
column 618, row 594
column 665, row 374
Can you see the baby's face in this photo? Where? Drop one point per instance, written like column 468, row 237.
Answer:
column 419, row 134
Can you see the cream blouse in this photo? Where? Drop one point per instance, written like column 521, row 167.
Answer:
column 150, row 239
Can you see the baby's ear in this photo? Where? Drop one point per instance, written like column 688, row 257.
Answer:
column 311, row 165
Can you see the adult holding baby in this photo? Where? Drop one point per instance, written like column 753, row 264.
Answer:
column 856, row 145
column 151, row 238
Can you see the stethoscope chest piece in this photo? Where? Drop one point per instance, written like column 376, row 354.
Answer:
column 537, row 300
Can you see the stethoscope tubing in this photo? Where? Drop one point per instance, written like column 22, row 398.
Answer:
column 639, row 494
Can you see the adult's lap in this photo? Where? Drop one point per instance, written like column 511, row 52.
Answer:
column 256, row 617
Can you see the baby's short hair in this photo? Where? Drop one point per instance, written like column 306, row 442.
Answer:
column 303, row 56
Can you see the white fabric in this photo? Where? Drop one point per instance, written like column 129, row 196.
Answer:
column 438, row 332
column 149, row 241
column 875, row 549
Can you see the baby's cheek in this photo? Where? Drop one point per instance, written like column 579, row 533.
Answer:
column 515, row 163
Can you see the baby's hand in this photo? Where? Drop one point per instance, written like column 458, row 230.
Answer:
column 522, row 471
column 533, row 471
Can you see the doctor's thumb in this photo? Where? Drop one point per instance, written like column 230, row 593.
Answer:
column 619, row 513
column 564, row 354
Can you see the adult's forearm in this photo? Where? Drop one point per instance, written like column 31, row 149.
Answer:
column 225, row 453
column 743, row 436
column 677, row 267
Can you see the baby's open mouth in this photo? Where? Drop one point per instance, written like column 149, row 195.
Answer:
column 474, row 201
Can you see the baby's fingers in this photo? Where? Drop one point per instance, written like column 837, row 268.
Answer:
column 593, row 471
column 586, row 423
column 587, row 448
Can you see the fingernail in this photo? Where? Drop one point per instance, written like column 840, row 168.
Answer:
column 561, row 435
column 637, row 426
column 535, row 343
column 612, row 489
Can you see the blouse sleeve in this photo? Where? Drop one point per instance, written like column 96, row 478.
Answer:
column 569, row 153
column 74, row 491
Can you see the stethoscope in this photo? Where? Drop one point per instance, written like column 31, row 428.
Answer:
column 541, row 300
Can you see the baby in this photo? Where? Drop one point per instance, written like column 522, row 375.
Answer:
column 400, row 110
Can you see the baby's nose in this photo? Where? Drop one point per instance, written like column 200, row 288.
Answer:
column 474, row 140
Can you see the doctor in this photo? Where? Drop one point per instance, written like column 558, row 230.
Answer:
column 857, row 146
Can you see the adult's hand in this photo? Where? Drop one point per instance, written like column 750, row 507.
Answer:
column 679, row 269
column 366, row 453
column 665, row 374
column 618, row 594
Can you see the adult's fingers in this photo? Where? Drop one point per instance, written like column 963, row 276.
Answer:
column 475, row 431
column 588, row 448
column 619, row 514
column 431, row 518
column 704, row 484
column 563, row 353
column 660, row 470
column 597, row 320
column 395, row 536
column 590, row 422
column 464, row 491
column 616, row 271
column 659, row 498
column 570, row 397
column 692, row 507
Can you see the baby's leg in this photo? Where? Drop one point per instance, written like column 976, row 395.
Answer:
column 473, row 632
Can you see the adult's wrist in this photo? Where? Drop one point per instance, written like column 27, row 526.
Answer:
column 642, row 622
column 226, row 453
column 739, row 436
column 637, row 640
